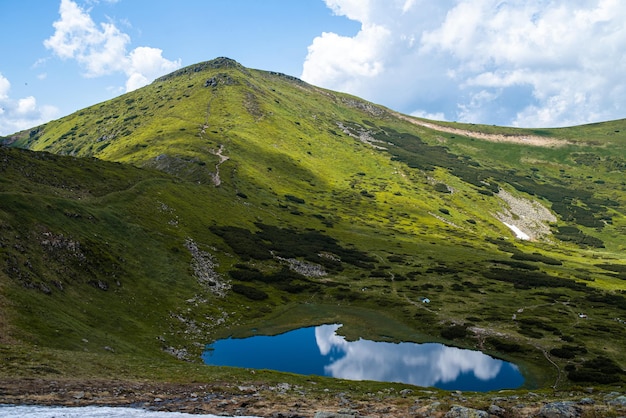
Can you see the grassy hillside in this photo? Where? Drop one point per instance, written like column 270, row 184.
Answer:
column 222, row 199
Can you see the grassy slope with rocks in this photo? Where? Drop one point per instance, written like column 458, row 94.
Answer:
column 222, row 199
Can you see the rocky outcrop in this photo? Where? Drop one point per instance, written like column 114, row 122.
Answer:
column 566, row 409
column 529, row 216
column 203, row 266
column 464, row 412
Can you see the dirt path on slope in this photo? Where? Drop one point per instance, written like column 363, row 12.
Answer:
column 223, row 158
column 533, row 140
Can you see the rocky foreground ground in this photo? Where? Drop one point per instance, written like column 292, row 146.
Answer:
column 285, row 400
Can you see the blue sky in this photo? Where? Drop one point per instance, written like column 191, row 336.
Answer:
column 532, row 63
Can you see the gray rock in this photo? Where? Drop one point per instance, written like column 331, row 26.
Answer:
column 497, row 411
column 463, row 412
column 321, row 414
column 586, row 401
column 406, row 392
column 619, row 401
column 560, row 410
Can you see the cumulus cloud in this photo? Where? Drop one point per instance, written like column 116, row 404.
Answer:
column 103, row 49
column 23, row 113
column 5, row 86
column 427, row 115
column 516, row 62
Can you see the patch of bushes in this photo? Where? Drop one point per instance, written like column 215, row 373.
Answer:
column 575, row 235
column 443, row 269
column 249, row 292
column 523, row 279
column 246, row 274
column 518, row 255
column 289, row 243
column 516, row 264
column 620, row 269
column 601, row 370
column 284, row 279
column 503, row 346
column 442, row 188
column 568, row 351
column 294, row 199
column 243, row 242
column 379, row 273
column 454, row 332
column 612, row 299
column 536, row 323
column 529, row 332
column 395, row 259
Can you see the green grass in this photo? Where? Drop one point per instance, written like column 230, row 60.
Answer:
column 94, row 251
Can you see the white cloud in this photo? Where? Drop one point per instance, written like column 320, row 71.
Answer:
column 427, row 115
column 102, row 49
column 146, row 64
column 26, row 106
column 5, row 86
column 519, row 62
column 23, row 113
column 342, row 61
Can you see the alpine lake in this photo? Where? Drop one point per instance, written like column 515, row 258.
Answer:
column 322, row 350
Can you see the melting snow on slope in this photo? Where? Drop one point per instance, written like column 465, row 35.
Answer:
column 21, row 411
column 527, row 218
column 518, row 232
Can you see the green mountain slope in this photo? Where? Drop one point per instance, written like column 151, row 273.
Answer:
column 242, row 194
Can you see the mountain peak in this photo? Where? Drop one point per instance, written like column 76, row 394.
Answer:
column 220, row 62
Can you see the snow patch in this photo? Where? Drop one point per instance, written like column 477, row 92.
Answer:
column 518, row 232
column 528, row 218
column 13, row 411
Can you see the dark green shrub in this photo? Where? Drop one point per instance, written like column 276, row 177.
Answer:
column 379, row 273
column 530, row 332
column 243, row 242
column 246, row 275
column 536, row 257
column 294, row 199
column 563, row 353
column 503, row 346
column 453, row 332
column 250, row 292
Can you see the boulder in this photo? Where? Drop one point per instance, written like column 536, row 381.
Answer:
column 560, row 410
column 464, row 412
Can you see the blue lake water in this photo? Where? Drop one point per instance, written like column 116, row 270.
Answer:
column 320, row 351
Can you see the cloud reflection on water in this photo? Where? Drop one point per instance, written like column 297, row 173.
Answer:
column 418, row 364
